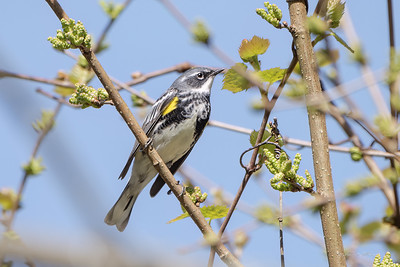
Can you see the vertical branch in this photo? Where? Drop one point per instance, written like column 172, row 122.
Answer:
column 393, row 111
column 282, row 251
column 318, row 132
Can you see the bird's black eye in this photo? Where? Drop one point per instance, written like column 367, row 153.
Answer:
column 200, row 76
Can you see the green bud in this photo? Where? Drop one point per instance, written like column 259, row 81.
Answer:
column 272, row 15
column 200, row 32
column 386, row 261
column 34, row 166
column 356, row 153
column 8, row 197
column 73, row 35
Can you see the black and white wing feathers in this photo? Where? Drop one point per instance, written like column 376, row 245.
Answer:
column 150, row 121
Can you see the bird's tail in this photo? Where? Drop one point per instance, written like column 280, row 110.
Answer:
column 121, row 211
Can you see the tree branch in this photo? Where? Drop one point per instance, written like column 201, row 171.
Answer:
column 67, row 84
column 318, row 132
column 141, row 137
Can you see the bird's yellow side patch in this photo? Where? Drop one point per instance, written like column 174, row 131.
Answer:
column 171, row 106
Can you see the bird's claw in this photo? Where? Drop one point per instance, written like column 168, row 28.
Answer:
column 183, row 189
column 148, row 143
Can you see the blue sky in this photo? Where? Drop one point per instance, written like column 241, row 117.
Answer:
column 87, row 149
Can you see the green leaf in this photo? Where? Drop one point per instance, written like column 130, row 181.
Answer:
column 316, row 25
column 78, row 74
column 324, row 58
column 46, row 119
column 387, row 125
column 272, row 75
column 335, row 12
column 211, row 212
column 34, row 166
column 8, row 197
column 253, row 138
column 249, row 50
column 235, row 82
column 368, row 231
column 296, row 89
column 180, row 217
column 111, row 9
column 341, row 41
column 214, row 212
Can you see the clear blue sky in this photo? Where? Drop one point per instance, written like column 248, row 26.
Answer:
column 87, row 149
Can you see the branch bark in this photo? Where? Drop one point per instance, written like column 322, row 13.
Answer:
column 318, row 132
column 141, row 137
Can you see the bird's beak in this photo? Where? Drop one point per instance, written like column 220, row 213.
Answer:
column 217, row 71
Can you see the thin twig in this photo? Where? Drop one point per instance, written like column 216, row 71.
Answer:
column 181, row 67
column 67, row 84
column 394, row 91
column 56, row 98
column 280, row 220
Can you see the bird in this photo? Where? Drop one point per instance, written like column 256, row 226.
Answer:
column 174, row 124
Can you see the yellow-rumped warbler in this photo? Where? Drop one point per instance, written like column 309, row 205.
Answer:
column 174, row 124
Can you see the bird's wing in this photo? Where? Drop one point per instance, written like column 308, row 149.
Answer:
column 159, row 182
column 165, row 104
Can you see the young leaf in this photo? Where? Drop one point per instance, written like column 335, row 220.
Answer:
column 34, row 166
column 111, row 9
column 200, row 32
column 341, row 41
column 211, row 212
column 235, row 82
column 46, row 119
column 335, row 12
column 272, row 75
column 7, row 198
column 368, row 231
column 180, row 217
column 214, row 212
column 250, row 49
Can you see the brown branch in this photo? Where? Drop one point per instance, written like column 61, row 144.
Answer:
column 4, row 73
column 318, row 132
column 280, row 220
column 394, row 91
column 180, row 68
column 141, row 137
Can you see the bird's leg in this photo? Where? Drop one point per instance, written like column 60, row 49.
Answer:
column 146, row 146
column 183, row 189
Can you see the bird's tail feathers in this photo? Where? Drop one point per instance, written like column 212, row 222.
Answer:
column 121, row 211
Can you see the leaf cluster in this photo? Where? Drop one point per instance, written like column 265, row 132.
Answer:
column 235, row 79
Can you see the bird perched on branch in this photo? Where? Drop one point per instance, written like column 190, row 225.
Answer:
column 174, row 124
